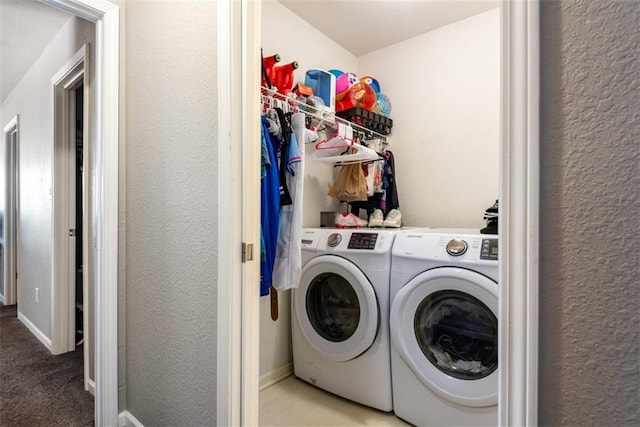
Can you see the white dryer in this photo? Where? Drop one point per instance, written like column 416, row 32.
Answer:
column 444, row 327
column 340, row 319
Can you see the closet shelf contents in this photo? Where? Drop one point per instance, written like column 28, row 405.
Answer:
column 323, row 119
column 368, row 119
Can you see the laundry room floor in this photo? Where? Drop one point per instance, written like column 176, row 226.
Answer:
column 294, row 402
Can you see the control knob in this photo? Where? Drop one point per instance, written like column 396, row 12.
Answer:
column 334, row 240
column 456, row 247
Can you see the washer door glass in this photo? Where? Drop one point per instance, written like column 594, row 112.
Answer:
column 458, row 334
column 336, row 309
column 444, row 328
column 333, row 307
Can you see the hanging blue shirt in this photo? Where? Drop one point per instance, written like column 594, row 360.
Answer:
column 269, row 212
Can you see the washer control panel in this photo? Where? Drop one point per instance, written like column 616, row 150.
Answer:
column 363, row 241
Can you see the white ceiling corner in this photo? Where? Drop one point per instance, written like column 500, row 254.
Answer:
column 364, row 26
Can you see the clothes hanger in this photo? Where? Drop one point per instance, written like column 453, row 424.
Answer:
column 333, row 150
column 342, row 138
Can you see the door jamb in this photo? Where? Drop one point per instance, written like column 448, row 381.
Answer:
column 105, row 139
column 519, row 226
column 11, row 213
column 63, row 292
column 239, row 37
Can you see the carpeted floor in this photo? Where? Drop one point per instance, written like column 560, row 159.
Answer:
column 37, row 388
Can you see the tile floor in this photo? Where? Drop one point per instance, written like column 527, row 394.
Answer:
column 292, row 402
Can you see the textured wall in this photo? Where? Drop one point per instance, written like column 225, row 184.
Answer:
column 590, row 222
column 171, row 191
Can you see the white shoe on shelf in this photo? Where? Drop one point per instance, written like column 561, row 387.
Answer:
column 349, row 220
column 393, row 219
column 376, row 218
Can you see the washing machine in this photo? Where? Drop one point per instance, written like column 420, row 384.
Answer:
column 340, row 314
column 444, row 327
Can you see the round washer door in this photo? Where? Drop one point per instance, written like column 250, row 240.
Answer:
column 444, row 327
column 336, row 308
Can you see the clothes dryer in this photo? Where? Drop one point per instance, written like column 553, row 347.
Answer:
column 444, row 327
column 340, row 314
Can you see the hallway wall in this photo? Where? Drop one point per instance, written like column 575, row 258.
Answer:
column 171, row 212
column 589, row 213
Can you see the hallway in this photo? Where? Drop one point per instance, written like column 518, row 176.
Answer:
column 36, row 387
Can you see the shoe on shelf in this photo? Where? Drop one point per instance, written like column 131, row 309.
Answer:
column 376, row 218
column 349, row 220
column 393, row 219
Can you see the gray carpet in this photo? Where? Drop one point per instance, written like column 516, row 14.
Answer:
column 37, row 388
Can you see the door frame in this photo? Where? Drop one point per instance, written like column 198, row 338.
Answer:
column 519, row 222
column 10, row 232
column 239, row 174
column 239, row 33
column 104, row 202
column 64, row 83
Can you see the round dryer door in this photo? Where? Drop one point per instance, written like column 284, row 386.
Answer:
column 444, row 327
column 336, row 308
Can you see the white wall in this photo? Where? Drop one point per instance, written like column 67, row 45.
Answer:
column 444, row 86
column 285, row 33
column 171, row 212
column 32, row 98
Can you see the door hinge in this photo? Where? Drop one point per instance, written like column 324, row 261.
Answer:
column 247, row 252
column 72, row 232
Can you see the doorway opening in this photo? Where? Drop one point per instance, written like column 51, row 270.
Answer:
column 71, row 307
column 10, row 232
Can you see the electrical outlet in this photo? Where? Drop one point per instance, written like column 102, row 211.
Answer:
column 37, row 294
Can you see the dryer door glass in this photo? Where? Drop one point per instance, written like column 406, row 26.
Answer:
column 333, row 307
column 458, row 334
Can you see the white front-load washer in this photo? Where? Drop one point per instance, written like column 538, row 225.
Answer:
column 444, row 327
column 340, row 319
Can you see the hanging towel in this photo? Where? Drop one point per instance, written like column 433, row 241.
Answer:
column 269, row 211
column 288, row 263
column 350, row 184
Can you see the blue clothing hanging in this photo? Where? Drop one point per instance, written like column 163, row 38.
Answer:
column 269, row 211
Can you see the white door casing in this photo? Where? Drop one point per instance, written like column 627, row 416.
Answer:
column 106, row 16
column 518, row 226
column 239, row 74
column 11, row 211
column 64, row 83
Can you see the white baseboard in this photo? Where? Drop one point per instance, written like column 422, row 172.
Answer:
column 270, row 378
column 125, row 419
column 92, row 387
column 35, row 331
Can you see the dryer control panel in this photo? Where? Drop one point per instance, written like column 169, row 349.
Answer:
column 455, row 246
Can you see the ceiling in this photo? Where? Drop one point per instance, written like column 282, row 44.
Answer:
column 26, row 28
column 363, row 26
